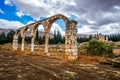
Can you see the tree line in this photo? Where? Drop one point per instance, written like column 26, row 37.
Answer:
column 114, row 37
column 57, row 38
column 111, row 37
column 8, row 38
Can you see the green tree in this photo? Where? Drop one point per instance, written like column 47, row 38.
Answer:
column 57, row 38
column 80, row 40
column 114, row 37
column 10, row 36
column 28, row 39
column 3, row 38
column 41, row 40
column 19, row 39
column 37, row 35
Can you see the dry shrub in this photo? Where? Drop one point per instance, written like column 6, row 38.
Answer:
column 91, row 58
column 6, row 47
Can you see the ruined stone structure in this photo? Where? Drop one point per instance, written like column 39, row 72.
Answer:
column 101, row 37
column 70, row 37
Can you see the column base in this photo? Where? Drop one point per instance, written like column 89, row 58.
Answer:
column 15, row 49
column 71, row 57
column 32, row 53
column 47, row 54
column 23, row 50
column 71, row 54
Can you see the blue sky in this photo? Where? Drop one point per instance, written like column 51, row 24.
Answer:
column 93, row 16
column 10, row 13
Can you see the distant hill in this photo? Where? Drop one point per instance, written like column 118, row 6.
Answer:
column 83, row 36
column 27, row 33
column 5, row 30
column 41, row 33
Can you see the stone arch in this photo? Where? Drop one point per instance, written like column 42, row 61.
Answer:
column 56, row 17
column 15, row 37
column 21, row 31
column 70, row 36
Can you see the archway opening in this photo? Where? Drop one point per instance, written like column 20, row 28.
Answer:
column 27, row 37
column 39, row 42
column 57, row 32
column 40, row 35
column 57, row 38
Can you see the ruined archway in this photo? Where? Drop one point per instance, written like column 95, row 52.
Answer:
column 70, row 34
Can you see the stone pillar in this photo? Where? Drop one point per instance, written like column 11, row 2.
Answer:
column 32, row 44
column 106, row 38
column 15, row 42
column 71, row 40
column 46, row 43
column 32, row 39
column 22, row 46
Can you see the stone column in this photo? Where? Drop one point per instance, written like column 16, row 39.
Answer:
column 22, row 46
column 46, row 43
column 71, row 40
column 32, row 39
column 32, row 44
column 15, row 42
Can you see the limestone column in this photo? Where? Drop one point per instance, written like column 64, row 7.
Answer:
column 32, row 39
column 15, row 42
column 32, row 44
column 71, row 40
column 22, row 46
column 46, row 43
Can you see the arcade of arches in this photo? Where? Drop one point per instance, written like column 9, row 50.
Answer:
column 70, row 34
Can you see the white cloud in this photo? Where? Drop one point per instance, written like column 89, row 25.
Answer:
column 92, row 14
column 108, row 14
column 91, row 22
column 16, row 24
column 1, row 11
column 54, row 27
column 10, row 24
column 37, row 8
column 116, row 7
column 29, row 22
column 8, row 2
column 111, row 28
column 85, row 29
column 19, row 14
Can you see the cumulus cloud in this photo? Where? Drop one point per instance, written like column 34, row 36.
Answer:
column 54, row 27
column 1, row 11
column 8, row 2
column 94, row 15
column 19, row 14
column 10, row 24
column 37, row 8
column 6, row 24
column 85, row 30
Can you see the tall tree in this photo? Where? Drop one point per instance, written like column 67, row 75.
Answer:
column 37, row 35
column 2, row 38
column 10, row 36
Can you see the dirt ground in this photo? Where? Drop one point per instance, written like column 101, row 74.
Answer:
column 16, row 65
